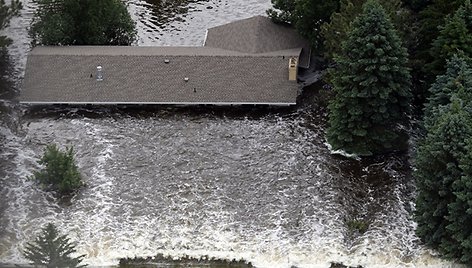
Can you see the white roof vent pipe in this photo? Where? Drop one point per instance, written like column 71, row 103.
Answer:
column 206, row 36
column 99, row 73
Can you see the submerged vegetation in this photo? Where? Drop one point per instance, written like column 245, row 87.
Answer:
column 60, row 173
column 357, row 226
column 52, row 250
column 86, row 22
column 183, row 262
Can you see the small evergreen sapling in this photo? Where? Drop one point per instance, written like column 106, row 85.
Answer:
column 372, row 84
column 52, row 250
column 60, row 172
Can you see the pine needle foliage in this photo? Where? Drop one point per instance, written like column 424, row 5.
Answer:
column 433, row 16
column 439, row 169
column 60, row 173
column 456, row 80
column 460, row 210
column 341, row 21
column 52, row 250
column 443, row 165
column 84, row 22
column 454, row 37
column 306, row 16
column 372, row 85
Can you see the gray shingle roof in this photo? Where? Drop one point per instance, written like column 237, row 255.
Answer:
column 244, row 62
column 257, row 35
column 140, row 75
column 151, row 51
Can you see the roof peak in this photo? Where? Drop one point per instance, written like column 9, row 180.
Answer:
column 258, row 34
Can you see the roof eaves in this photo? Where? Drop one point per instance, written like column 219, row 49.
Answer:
column 157, row 103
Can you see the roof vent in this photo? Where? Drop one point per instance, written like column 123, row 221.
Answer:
column 186, row 79
column 99, row 73
column 166, row 61
column 292, row 69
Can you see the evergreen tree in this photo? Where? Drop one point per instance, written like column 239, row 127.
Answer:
column 438, row 168
column 442, row 164
column 416, row 5
column 60, row 172
column 311, row 15
column 52, row 250
column 306, row 16
column 430, row 18
column 371, row 84
column 456, row 80
column 460, row 210
column 339, row 26
column 455, row 36
column 6, row 13
column 340, row 23
column 85, row 22
column 433, row 16
column 283, row 11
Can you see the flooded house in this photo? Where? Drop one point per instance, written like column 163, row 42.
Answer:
column 251, row 61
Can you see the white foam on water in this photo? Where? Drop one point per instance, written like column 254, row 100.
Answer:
column 21, row 212
column 128, row 211
column 17, row 31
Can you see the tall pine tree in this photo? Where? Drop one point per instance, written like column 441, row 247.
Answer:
column 306, row 16
column 460, row 210
column 438, row 168
column 454, row 37
column 457, row 79
column 372, row 85
column 340, row 22
column 432, row 14
column 443, row 164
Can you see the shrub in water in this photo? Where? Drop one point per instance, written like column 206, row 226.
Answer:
column 60, row 172
column 52, row 250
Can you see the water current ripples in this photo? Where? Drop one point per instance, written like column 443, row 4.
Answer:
column 259, row 186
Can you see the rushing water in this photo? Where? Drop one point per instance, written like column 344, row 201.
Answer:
column 254, row 185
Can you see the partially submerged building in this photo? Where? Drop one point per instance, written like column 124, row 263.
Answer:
column 251, row 61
